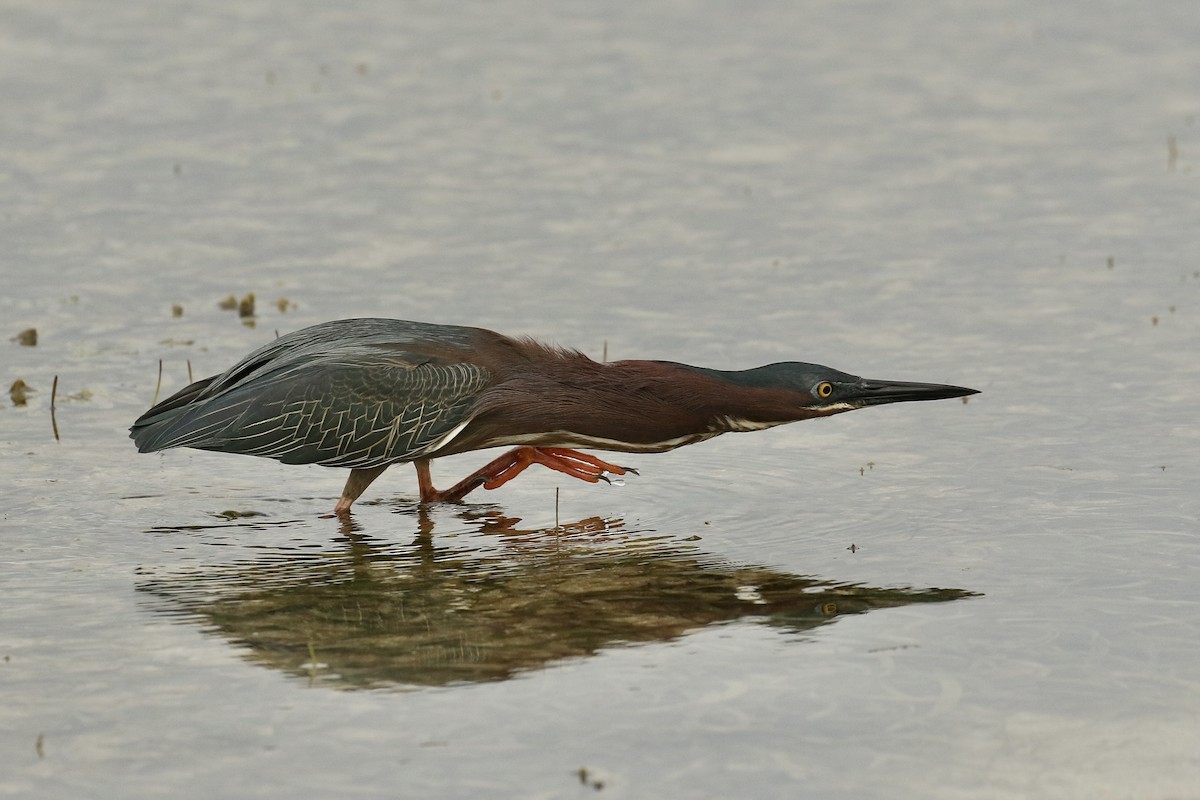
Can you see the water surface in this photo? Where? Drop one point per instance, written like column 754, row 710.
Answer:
column 983, row 600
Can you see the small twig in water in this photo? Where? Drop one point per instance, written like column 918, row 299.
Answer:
column 53, row 418
column 189, row 363
column 158, row 385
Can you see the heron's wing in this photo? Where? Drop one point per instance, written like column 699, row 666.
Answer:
column 352, row 339
column 351, row 409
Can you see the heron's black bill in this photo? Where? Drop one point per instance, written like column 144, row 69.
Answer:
column 877, row 393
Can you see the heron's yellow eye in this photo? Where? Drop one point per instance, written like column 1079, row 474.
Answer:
column 824, row 390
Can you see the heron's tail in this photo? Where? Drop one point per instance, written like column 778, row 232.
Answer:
column 154, row 429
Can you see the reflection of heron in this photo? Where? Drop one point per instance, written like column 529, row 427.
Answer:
column 368, row 393
column 511, row 600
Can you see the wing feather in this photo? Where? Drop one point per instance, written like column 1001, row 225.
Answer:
column 340, row 416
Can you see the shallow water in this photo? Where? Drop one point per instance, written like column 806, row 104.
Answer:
column 992, row 599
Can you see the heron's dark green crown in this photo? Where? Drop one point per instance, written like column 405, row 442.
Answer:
column 827, row 390
column 792, row 376
column 797, row 376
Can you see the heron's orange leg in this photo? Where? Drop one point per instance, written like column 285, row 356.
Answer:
column 508, row 466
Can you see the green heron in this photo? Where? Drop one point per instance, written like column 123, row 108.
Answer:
column 369, row 393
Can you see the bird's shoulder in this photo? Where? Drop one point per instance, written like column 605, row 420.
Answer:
column 351, row 347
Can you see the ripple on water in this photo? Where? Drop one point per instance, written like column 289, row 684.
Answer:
column 780, row 498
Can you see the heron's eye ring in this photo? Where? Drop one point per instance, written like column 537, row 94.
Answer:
column 824, row 390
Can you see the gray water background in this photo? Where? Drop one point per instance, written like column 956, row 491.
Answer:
column 996, row 194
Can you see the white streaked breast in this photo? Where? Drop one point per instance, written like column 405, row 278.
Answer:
column 570, row 439
column 737, row 425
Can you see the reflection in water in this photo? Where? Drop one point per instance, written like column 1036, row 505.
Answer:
column 373, row 614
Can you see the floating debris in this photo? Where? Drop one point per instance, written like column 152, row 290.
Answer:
column 26, row 338
column 245, row 306
column 19, row 392
column 1111, row 262
column 586, row 779
column 284, row 305
column 176, row 310
column 232, row 514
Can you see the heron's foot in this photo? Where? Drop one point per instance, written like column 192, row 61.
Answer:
column 508, row 466
column 454, row 494
column 356, row 484
column 579, row 465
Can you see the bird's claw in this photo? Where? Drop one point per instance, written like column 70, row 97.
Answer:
column 569, row 462
column 606, row 475
column 616, row 478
